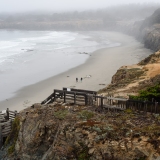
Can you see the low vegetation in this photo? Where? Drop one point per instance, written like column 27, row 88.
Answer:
column 12, row 138
column 149, row 94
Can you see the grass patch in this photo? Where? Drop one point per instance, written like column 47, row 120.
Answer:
column 12, row 138
column 128, row 111
column 83, row 154
column 61, row 114
column 86, row 114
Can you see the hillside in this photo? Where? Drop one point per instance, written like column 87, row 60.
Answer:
column 61, row 131
column 129, row 80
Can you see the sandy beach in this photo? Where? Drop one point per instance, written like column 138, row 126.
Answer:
column 96, row 72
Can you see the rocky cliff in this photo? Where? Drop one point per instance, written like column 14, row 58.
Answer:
column 149, row 30
column 61, row 131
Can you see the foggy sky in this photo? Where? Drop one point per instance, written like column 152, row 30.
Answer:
column 62, row 5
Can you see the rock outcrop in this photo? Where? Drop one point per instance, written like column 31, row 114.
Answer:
column 150, row 31
column 61, row 131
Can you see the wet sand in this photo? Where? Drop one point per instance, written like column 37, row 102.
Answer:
column 96, row 72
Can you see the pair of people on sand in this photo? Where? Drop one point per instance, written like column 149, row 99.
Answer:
column 77, row 79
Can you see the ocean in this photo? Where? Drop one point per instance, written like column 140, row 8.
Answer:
column 27, row 57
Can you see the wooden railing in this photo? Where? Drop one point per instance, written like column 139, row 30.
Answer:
column 6, row 119
column 70, row 95
column 87, row 97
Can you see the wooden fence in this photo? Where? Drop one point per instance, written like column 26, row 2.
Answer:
column 87, row 97
column 112, row 103
column 70, row 95
column 6, row 118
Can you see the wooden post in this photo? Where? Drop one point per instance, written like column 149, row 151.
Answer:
column 86, row 99
column 151, row 108
column 15, row 113
column 1, row 138
column 54, row 95
column 110, row 100
column 156, row 104
column 64, row 97
column 95, row 96
column 97, row 101
column 127, row 104
column 75, row 98
column 101, row 102
column 7, row 112
column 144, row 105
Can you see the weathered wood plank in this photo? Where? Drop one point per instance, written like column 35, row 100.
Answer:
column 12, row 112
column 47, row 99
column 6, row 127
column 112, row 107
column 6, row 134
column 5, row 131
column 5, row 123
column 80, row 90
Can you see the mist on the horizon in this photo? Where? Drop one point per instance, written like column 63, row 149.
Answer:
column 82, row 15
column 16, row 6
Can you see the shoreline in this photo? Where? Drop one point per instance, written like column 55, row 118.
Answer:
column 101, row 65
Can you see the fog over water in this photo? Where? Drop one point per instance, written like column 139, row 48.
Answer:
column 43, row 38
column 62, row 5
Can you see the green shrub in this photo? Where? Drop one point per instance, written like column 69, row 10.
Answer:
column 148, row 94
column 86, row 114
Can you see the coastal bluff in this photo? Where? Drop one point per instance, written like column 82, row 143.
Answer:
column 129, row 80
column 60, row 131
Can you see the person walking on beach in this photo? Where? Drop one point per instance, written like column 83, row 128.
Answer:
column 81, row 79
column 76, row 79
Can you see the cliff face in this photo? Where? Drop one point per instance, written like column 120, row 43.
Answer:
column 152, row 37
column 150, row 31
column 61, row 131
column 146, row 31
